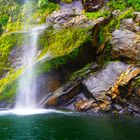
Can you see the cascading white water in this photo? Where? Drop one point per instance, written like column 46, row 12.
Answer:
column 26, row 97
column 26, row 94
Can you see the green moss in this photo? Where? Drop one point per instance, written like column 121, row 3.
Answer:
column 42, row 43
column 118, row 4
column 7, row 43
column 56, row 62
column 123, row 4
column 136, row 83
column 105, row 32
column 115, row 23
column 64, row 45
column 107, row 56
column 134, row 3
column 13, row 14
column 39, row 16
column 62, row 42
column 8, row 84
column 80, row 73
column 65, row 41
column 126, row 14
column 67, row 1
column 14, row 26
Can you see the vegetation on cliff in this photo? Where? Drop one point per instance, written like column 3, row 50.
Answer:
column 12, row 13
column 63, row 46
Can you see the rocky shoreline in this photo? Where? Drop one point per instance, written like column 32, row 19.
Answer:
column 111, row 88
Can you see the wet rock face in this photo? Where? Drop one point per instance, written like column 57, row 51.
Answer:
column 70, row 15
column 125, row 45
column 66, row 19
column 66, row 13
column 94, row 94
column 93, row 5
column 131, row 25
column 75, row 5
column 99, row 83
column 137, row 17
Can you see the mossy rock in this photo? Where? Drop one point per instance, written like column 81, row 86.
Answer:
column 65, row 46
column 70, row 49
column 7, row 43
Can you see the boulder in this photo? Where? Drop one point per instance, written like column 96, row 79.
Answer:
column 59, row 19
column 68, row 94
column 131, row 25
column 94, row 94
column 67, row 12
column 61, row 96
column 137, row 17
column 106, row 86
column 99, row 83
column 125, row 45
column 74, row 5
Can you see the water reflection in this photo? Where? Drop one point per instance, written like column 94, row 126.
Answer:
column 56, row 126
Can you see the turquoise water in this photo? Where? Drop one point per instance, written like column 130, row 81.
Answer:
column 57, row 126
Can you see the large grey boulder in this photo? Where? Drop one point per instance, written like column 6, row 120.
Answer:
column 125, row 45
column 99, row 83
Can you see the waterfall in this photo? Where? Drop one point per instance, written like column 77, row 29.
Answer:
column 26, row 94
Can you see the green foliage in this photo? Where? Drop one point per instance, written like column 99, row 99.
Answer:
column 10, row 9
column 14, row 13
column 8, row 85
column 98, row 14
column 14, row 26
column 117, row 4
column 134, row 3
column 36, row 11
column 42, row 43
column 123, row 4
column 4, row 20
column 67, row 1
column 45, row 4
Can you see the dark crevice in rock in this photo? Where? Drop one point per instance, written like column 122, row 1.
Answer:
column 93, row 5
